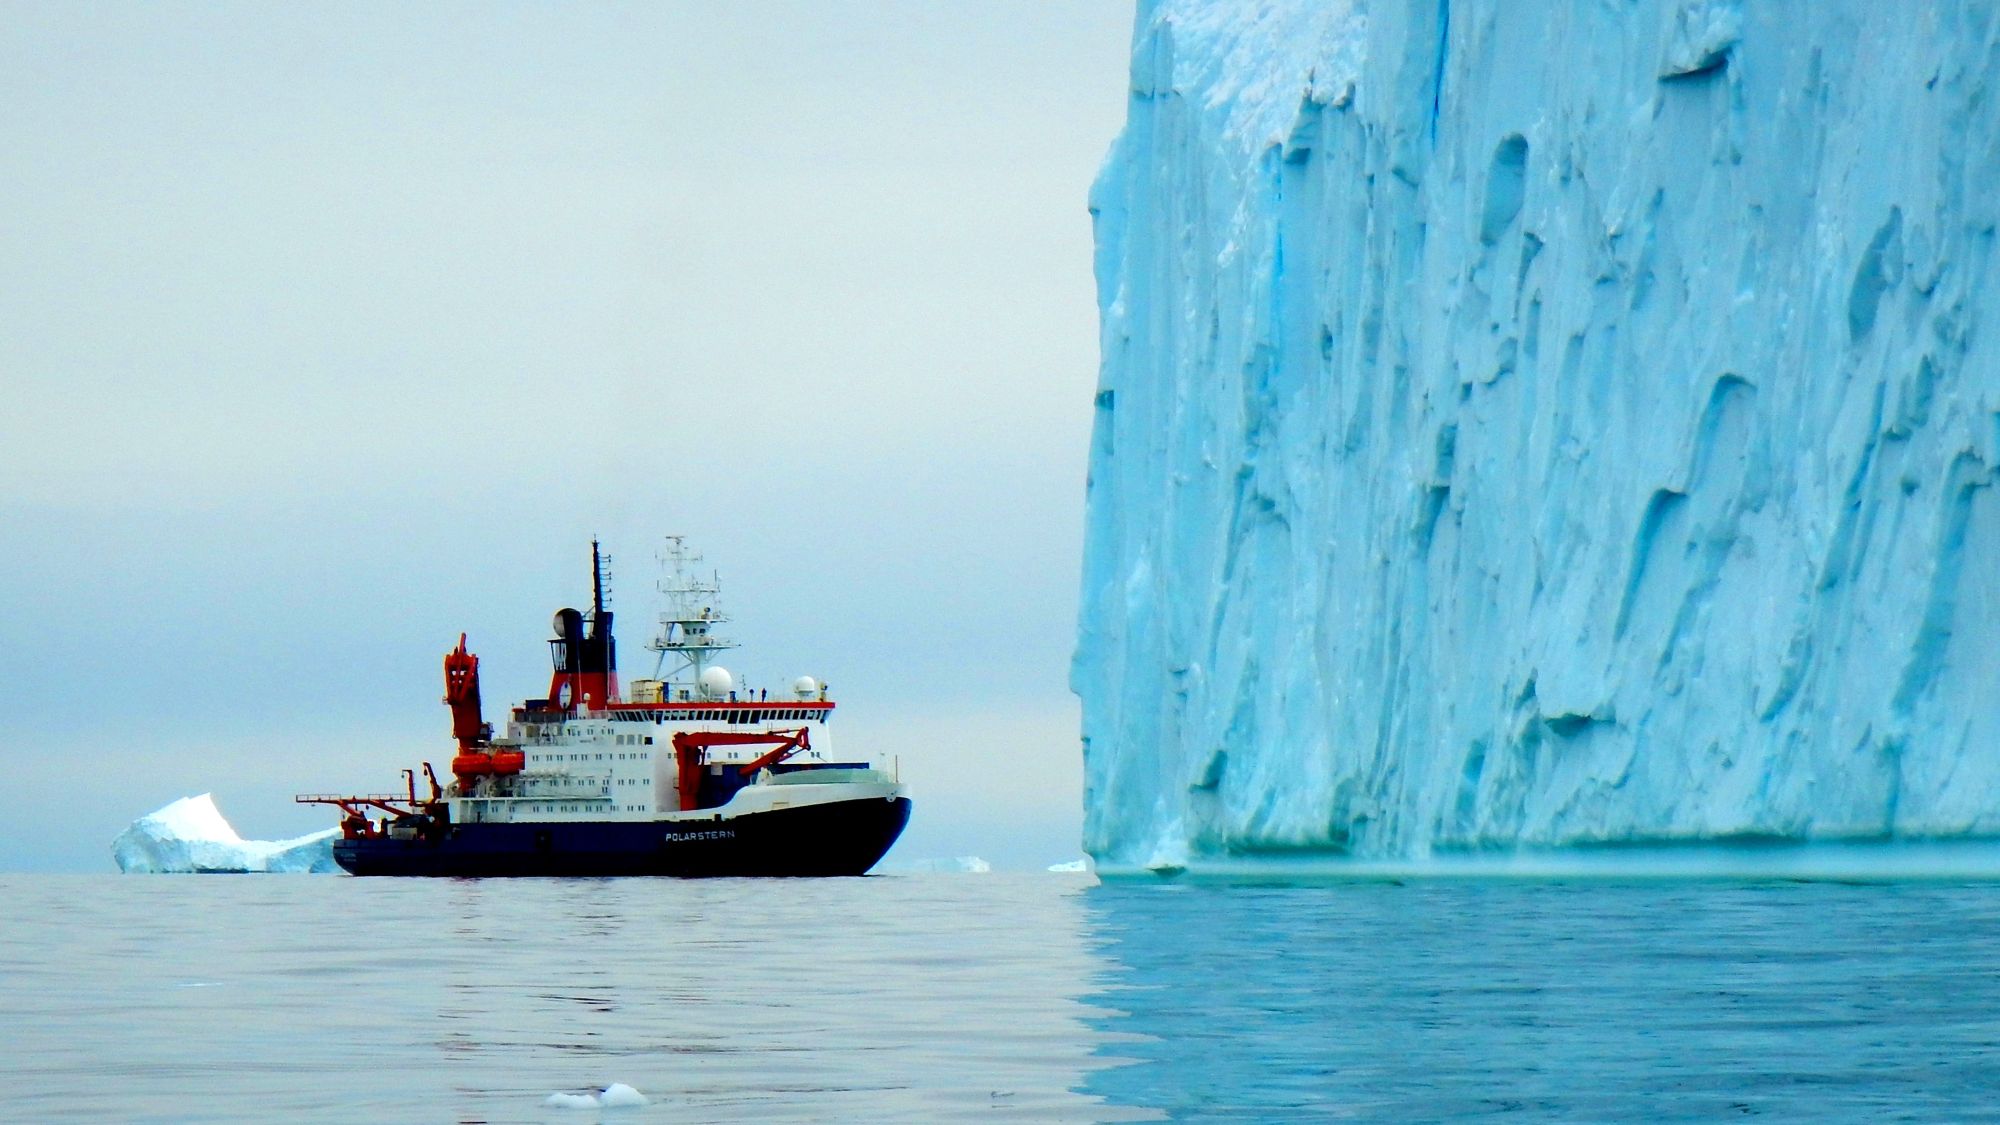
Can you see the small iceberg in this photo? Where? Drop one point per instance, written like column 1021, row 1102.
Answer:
column 1073, row 866
column 615, row 1096
column 190, row 836
column 619, row 1096
column 953, row 865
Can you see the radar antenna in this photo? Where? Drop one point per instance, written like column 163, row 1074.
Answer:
column 693, row 609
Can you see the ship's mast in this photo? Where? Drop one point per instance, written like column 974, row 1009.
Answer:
column 692, row 611
column 597, row 562
column 585, row 659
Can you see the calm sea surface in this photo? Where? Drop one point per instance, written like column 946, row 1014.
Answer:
column 1040, row 998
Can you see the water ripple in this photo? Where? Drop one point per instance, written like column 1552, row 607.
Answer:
column 943, row 998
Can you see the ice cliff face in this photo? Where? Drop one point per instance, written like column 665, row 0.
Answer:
column 1545, row 423
column 190, row 836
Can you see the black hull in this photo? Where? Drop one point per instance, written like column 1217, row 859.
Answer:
column 837, row 838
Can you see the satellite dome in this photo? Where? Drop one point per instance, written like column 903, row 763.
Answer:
column 804, row 687
column 715, row 682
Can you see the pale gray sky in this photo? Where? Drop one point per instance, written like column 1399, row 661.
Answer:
column 332, row 331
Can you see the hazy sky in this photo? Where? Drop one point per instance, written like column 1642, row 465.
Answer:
column 332, row 331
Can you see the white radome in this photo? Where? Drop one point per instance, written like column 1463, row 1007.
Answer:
column 805, row 687
column 716, row 682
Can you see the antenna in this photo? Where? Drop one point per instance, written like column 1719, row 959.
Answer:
column 692, row 611
column 596, row 578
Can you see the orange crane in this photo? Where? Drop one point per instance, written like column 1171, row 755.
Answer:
column 475, row 735
column 691, row 753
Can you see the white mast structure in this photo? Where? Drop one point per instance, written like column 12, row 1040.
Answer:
column 692, row 610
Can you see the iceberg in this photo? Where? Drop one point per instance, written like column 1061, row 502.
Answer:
column 615, row 1096
column 951, row 865
column 1544, row 426
column 190, row 836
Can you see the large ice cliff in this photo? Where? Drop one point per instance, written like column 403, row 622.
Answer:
column 1545, row 424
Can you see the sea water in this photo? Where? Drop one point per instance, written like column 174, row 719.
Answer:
column 995, row 997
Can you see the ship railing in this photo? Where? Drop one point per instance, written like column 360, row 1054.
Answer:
column 592, row 796
column 561, row 789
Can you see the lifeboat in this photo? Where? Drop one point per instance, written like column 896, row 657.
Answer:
column 472, row 765
column 479, row 763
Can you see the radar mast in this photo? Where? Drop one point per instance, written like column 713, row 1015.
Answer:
column 692, row 610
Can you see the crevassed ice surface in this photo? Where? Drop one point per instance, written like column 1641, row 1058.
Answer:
column 1545, row 424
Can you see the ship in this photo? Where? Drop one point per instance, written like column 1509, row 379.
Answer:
column 686, row 774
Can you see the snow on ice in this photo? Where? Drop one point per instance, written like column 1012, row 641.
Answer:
column 1544, row 424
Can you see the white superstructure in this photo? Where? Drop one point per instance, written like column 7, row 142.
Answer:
column 609, row 758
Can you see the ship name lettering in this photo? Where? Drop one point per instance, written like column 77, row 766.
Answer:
column 706, row 834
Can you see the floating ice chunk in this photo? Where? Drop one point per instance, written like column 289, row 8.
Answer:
column 1072, row 866
column 618, row 1096
column 191, row 836
column 615, row 1096
column 950, row 865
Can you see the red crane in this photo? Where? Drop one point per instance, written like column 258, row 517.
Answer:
column 691, row 753
column 461, row 694
column 475, row 737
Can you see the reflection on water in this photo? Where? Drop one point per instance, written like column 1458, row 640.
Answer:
column 259, row 998
column 1031, row 998
column 1589, row 1001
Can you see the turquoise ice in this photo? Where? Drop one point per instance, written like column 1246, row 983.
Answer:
column 1547, row 424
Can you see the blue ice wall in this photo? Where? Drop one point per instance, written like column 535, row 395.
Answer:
column 1545, row 423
